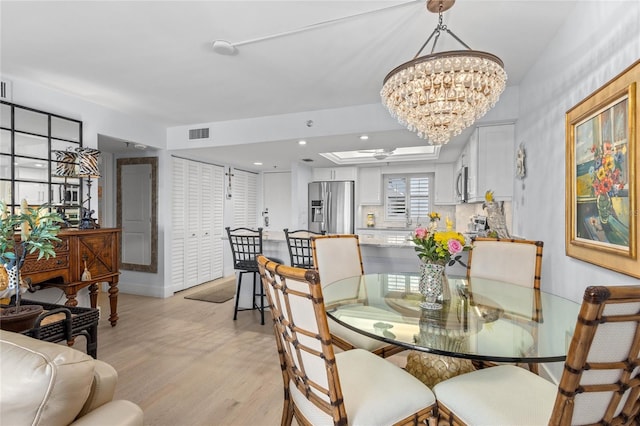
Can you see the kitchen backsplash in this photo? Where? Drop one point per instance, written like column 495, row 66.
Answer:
column 460, row 215
column 378, row 212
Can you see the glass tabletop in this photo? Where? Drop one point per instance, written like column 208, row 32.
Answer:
column 482, row 319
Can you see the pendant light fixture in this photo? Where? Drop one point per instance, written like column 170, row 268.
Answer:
column 440, row 94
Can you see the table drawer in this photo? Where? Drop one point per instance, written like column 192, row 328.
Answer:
column 53, row 263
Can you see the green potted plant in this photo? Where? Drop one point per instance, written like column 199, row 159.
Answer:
column 38, row 231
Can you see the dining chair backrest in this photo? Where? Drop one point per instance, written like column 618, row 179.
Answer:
column 600, row 383
column 246, row 245
column 299, row 245
column 302, row 334
column 337, row 256
column 503, row 259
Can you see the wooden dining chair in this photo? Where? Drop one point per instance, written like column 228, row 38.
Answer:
column 337, row 257
column 322, row 387
column 600, row 384
column 299, row 245
column 515, row 261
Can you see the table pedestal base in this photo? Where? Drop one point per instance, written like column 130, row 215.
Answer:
column 431, row 369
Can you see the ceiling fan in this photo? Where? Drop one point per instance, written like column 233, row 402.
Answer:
column 379, row 154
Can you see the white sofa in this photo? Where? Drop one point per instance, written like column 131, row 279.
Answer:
column 45, row 383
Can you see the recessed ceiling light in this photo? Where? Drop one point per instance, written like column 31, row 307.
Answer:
column 364, row 137
column 302, row 142
column 257, row 163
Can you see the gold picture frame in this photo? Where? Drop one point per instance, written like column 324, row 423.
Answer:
column 601, row 222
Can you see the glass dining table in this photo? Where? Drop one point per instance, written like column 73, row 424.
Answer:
column 481, row 319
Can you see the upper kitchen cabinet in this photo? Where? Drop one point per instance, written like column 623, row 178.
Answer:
column 491, row 162
column 334, row 173
column 444, row 189
column 370, row 186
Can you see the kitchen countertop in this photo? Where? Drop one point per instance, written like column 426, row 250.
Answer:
column 401, row 239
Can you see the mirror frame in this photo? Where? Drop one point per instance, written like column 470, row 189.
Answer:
column 153, row 161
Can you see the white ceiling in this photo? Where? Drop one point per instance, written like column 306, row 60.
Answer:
column 154, row 59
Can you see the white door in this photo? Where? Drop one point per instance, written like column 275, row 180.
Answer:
column 277, row 201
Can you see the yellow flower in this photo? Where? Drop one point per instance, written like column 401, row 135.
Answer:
column 488, row 196
column 609, row 163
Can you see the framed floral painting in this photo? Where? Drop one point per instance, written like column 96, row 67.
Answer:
column 601, row 182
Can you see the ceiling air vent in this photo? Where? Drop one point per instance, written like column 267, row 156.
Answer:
column 198, row 134
column 5, row 90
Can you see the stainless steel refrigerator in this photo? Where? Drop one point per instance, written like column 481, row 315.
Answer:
column 331, row 207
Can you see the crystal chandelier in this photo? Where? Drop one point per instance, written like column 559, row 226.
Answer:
column 440, row 94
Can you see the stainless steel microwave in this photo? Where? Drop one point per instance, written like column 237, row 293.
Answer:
column 462, row 183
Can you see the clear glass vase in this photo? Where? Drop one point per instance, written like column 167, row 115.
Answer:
column 433, row 285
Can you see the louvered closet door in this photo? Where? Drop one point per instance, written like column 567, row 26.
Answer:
column 197, row 216
column 191, row 260
column 217, row 201
column 178, row 222
column 205, row 236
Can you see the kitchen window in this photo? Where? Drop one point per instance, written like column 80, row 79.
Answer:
column 407, row 197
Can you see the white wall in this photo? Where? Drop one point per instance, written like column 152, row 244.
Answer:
column 98, row 120
column 599, row 41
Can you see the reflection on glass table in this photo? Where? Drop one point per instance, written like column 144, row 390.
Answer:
column 483, row 320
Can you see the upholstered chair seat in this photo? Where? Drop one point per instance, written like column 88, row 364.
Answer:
column 368, row 383
column 475, row 398
column 600, row 383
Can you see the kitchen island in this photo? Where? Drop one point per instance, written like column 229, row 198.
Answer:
column 388, row 251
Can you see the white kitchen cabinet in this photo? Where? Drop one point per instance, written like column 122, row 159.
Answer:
column 491, row 162
column 370, row 186
column 444, row 188
column 334, row 173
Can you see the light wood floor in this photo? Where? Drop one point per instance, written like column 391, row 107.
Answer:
column 186, row 362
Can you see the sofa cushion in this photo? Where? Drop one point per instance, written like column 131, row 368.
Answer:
column 42, row 383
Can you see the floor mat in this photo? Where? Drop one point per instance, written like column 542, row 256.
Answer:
column 216, row 294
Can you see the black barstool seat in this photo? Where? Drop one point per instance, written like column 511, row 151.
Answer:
column 246, row 245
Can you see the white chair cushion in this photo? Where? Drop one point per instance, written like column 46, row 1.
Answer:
column 503, row 395
column 503, row 261
column 375, row 391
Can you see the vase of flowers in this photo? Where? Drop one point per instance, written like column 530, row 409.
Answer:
column 608, row 177
column 38, row 230
column 436, row 250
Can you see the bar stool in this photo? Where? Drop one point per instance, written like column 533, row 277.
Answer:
column 246, row 245
column 299, row 245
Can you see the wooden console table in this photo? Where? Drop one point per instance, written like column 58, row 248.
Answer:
column 99, row 248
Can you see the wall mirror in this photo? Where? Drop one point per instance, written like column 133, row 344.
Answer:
column 137, row 213
column 31, row 145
